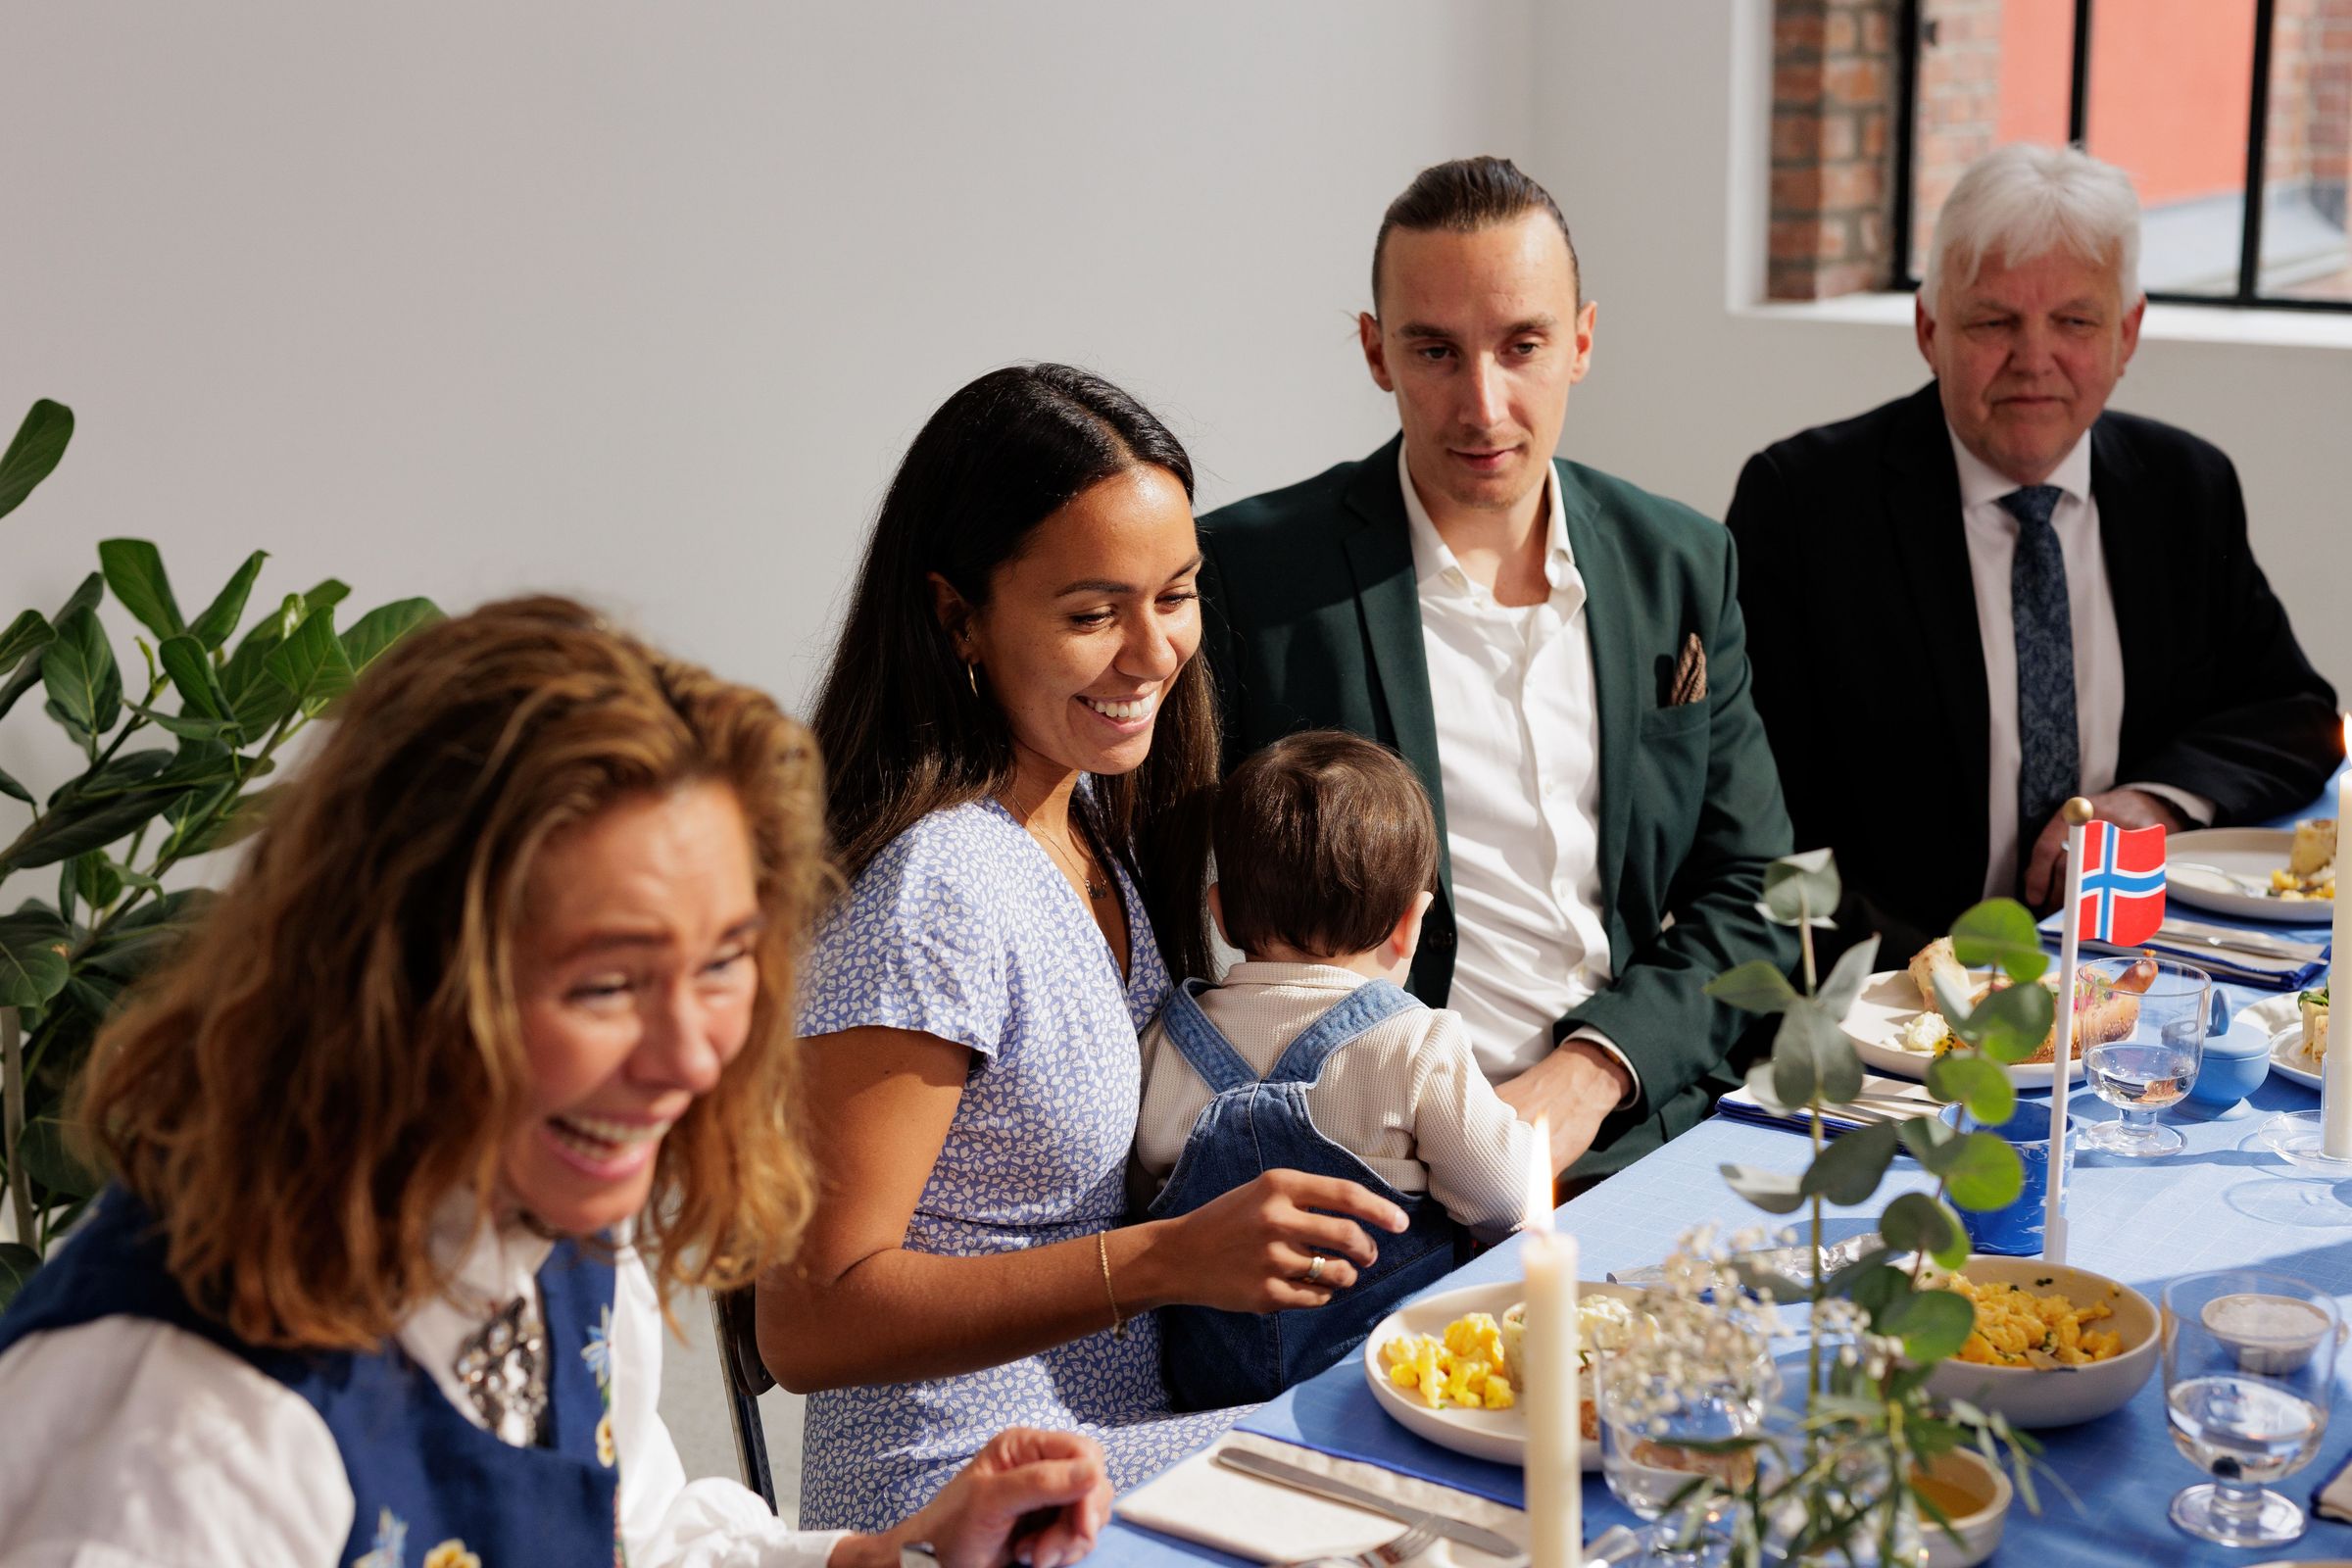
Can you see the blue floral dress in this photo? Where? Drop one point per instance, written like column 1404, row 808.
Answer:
column 964, row 928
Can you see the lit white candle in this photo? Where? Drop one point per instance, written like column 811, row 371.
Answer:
column 1553, row 1402
column 2335, row 1079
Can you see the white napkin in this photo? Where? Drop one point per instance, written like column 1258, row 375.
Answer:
column 2274, row 1013
column 1203, row 1501
column 2335, row 1499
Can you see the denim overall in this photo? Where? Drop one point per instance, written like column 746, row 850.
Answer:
column 422, row 1475
column 1212, row 1358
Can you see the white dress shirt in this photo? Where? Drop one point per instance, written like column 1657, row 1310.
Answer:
column 1405, row 1096
column 132, row 1444
column 1518, row 759
column 2098, row 650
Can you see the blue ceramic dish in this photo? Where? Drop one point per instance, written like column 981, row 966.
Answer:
column 2236, row 1064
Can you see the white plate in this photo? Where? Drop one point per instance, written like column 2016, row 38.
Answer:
column 2254, row 852
column 1496, row 1435
column 1888, row 1002
column 2286, row 1056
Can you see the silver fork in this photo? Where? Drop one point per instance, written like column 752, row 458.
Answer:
column 1415, row 1540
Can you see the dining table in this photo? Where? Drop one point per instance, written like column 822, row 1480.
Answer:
column 2225, row 1201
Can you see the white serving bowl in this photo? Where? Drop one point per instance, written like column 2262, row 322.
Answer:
column 2057, row 1397
column 1979, row 1528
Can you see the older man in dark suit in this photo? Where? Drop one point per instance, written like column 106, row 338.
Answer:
column 1981, row 599
column 1557, row 652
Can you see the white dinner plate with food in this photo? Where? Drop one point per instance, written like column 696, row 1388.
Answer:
column 1882, row 1018
column 1496, row 1435
column 2288, row 1059
column 2240, row 861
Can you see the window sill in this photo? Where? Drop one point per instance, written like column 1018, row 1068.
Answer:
column 2164, row 324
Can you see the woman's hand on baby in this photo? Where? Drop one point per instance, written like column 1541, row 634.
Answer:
column 1254, row 1249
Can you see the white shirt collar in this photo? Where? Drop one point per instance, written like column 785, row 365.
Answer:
column 1433, row 558
column 487, row 1261
column 1981, row 482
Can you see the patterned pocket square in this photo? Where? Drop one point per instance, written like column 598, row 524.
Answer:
column 1690, row 674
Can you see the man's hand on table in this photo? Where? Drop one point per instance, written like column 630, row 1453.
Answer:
column 1574, row 1089
column 2046, row 866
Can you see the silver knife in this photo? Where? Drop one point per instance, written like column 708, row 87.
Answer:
column 1302, row 1479
column 2218, row 936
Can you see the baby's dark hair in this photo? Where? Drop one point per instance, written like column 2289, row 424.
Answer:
column 1323, row 839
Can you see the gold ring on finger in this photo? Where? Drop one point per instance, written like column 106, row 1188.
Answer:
column 1314, row 1270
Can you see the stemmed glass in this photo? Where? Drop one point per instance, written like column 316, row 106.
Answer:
column 1647, row 1417
column 2249, row 1365
column 2153, row 1065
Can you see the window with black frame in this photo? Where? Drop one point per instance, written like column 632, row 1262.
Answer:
column 2234, row 119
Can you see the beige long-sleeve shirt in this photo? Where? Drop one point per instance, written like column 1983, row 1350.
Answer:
column 1406, row 1096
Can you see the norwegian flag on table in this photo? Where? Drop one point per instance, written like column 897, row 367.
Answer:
column 2122, row 884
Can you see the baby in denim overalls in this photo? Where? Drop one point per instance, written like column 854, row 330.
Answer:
column 1309, row 1057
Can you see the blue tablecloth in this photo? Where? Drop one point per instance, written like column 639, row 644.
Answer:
column 2224, row 1201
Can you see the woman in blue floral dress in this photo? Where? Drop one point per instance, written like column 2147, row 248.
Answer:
column 1021, row 751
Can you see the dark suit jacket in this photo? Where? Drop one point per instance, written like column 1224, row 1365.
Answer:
column 1870, row 673
column 1314, row 620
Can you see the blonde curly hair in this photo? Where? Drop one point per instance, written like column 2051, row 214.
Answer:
column 336, row 1046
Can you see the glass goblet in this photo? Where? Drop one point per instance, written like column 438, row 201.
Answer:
column 2152, row 1066
column 2249, row 1367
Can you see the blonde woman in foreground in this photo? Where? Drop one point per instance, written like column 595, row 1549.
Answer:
column 484, row 1054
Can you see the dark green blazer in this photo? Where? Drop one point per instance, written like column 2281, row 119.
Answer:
column 1313, row 620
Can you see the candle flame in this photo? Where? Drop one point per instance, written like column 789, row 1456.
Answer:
column 1537, row 1215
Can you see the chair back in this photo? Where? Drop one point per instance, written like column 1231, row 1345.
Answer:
column 732, row 1320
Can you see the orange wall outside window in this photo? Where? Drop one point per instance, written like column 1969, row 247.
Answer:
column 2170, row 85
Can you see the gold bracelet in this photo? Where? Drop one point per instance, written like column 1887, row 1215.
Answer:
column 1118, row 1325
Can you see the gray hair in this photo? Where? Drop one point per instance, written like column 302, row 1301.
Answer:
column 2025, row 201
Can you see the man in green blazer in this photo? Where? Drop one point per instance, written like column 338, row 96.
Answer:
column 1558, row 653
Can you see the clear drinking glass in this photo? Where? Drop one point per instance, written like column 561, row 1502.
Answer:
column 1646, row 1421
column 2140, row 1072
column 2249, row 1364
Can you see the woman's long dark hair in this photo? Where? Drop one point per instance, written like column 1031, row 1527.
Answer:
column 903, row 733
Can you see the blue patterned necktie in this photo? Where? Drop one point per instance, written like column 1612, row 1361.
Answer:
column 2048, row 770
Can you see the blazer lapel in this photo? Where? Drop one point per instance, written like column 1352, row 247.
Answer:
column 2136, row 578
column 1924, row 528
column 1610, row 630
column 1380, row 554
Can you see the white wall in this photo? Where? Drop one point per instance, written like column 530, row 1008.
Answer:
column 644, row 302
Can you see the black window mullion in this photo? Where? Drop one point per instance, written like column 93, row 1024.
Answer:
column 2258, row 135
column 2078, row 97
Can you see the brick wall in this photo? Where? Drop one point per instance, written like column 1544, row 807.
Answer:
column 1833, row 88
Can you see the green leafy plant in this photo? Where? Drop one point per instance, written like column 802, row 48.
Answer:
column 1879, row 1329
column 222, row 705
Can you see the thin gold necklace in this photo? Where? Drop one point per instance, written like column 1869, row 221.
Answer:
column 1094, row 889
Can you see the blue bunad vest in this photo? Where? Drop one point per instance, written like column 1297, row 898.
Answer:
column 423, row 1477
column 1212, row 1358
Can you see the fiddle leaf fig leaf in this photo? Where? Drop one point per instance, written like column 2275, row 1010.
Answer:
column 375, row 633
column 190, row 667
column 17, row 1264
column 33, row 964
column 33, row 454
column 79, row 670
column 26, row 634
column 220, row 617
column 311, row 664
column 134, row 570
column 28, row 672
